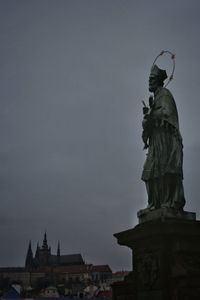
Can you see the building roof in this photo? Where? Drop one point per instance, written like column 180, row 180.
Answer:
column 12, row 269
column 75, row 269
column 71, row 259
column 121, row 273
column 101, row 268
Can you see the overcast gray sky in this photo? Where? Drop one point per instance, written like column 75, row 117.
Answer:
column 72, row 77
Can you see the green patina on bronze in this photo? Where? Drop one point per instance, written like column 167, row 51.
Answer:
column 162, row 171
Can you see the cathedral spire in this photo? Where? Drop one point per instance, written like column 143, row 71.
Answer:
column 29, row 256
column 45, row 245
column 37, row 251
column 58, row 249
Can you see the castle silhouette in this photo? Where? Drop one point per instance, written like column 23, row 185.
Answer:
column 44, row 258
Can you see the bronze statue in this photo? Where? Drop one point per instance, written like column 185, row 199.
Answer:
column 162, row 171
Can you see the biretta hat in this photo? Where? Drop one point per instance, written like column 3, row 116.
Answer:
column 161, row 74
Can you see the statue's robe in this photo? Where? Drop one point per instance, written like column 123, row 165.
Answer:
column 162, row 171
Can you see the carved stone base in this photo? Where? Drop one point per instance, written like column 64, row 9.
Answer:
column 145, row 215
column 166, row 259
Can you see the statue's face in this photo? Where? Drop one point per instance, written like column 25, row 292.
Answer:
column 153, row 83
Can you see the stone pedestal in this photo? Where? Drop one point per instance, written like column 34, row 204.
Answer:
column 166, row 258
column 164, row 213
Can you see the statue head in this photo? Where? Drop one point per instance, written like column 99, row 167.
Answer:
column 156, row 78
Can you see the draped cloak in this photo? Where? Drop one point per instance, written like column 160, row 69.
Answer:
column 162, row 170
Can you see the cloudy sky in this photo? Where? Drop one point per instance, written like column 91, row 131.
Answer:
column 73, row 74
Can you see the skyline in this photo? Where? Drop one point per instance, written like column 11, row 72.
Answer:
column 73, row 75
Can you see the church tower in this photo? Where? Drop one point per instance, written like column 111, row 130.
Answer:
column 44, row 258
column 29, row 263
column 44, row 253
column 37, row 256
column 58, row 253
column 37, row 251
column 58, row 249
column 45, row 245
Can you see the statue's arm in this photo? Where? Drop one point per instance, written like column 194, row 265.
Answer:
column 163, row 109
column 146, row 127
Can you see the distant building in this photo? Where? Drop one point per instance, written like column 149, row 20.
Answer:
column 44, row 258
column 101, row 273
column 43, row 271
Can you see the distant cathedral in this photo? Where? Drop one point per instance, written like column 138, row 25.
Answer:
column 44, row 258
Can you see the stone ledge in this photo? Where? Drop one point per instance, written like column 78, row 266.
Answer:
column 146, row 215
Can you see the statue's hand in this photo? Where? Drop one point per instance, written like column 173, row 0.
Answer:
column 145, row 110
column 145, row 123
column 145, row 139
